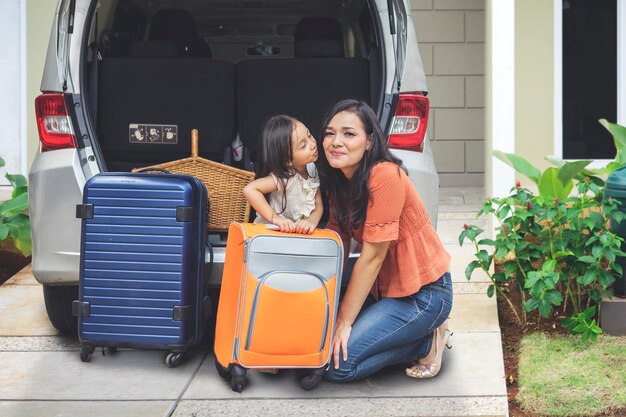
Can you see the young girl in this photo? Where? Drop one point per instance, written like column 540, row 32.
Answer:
column 287, row 173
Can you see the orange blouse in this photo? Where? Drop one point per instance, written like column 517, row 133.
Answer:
column 396, row 213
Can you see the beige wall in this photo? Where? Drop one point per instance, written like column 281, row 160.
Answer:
column 451, row 35
column 534, row 81
column 39, row 17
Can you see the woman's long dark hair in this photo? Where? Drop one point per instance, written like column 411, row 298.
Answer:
column 348, row 199
column 276, row 151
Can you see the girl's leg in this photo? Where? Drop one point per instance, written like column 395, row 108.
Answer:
column 393, row 330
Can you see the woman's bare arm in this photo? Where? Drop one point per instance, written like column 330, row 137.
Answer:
column 363, row 276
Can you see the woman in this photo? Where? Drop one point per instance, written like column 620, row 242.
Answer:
column 403, row 264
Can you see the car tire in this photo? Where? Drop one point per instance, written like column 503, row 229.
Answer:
column 58, row 300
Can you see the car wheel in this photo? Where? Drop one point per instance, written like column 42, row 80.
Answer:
column 58, row 301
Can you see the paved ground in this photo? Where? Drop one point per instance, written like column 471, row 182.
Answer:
column 41, row 373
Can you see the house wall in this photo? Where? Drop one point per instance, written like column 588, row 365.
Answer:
column 39, row 17
column 451, row 35
column 534, row 81
column 452, row 44
column 11, row 86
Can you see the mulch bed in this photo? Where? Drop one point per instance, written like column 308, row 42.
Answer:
column 512, row 335
column 10, row 264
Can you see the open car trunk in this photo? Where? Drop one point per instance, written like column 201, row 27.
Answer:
column 224, row 68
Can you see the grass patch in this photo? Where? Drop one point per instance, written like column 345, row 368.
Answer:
column 563, row 376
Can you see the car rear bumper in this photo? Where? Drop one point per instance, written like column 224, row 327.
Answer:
column 55, row 187
column 56, row 184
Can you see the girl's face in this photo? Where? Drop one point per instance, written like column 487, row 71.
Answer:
column 303, row 147
column 345, row 142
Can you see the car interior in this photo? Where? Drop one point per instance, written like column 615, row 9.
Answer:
column 223, row 67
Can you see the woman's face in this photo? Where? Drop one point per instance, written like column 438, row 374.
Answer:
column 345, row 142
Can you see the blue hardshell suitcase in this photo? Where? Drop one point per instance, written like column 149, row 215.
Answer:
column 142, row 264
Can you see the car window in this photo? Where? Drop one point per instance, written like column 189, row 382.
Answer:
column 400, row 18
column 129, row 24
column 65, row 19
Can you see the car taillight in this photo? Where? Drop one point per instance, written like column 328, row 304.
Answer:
column 53, row 122
column 408, row 127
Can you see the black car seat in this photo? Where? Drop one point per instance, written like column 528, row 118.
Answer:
column 303, row 87
column 154, row 88
column 178, row 26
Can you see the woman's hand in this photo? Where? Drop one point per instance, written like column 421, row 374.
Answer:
column 306, row 226
column 283, row 223
column 340, row 341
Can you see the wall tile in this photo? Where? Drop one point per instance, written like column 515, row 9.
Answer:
column 475, row 26
column 421, row 4
column 439, row 26
column 460, row 4
column 426, row 52
column 459, row 59
column 475, row 91
column 446, row 91
column 475, row 156
column 449, row 156
column 455, row 124
column 461, row 180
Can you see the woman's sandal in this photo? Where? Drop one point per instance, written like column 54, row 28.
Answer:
column 421, row 369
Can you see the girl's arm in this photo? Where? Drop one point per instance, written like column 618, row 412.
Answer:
column 255, row 194
column 363, row 276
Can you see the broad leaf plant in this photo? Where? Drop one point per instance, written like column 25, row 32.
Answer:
column 555, row 247
column 14, row 220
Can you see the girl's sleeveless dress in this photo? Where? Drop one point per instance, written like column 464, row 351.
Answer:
column 300, row 196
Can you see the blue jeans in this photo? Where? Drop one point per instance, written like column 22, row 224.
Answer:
column 393, row 331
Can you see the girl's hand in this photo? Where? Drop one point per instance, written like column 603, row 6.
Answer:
column 283, row 223
column 340, row 341
column 305, row 226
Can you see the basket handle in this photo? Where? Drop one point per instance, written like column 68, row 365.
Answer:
column 194, row 143
column 148, row 169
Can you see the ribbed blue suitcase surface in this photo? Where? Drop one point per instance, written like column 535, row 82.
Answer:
column 141, row 267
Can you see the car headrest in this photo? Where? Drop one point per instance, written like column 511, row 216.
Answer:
column 153, row 49
column 318, row 37
column 178, row 26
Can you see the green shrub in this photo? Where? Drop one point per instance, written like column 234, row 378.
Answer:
column 555, row 247
column 14, row 220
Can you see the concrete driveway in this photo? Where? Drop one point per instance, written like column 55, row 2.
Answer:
column 42, row 375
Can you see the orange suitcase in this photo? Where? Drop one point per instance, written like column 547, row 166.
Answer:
column 278, row 302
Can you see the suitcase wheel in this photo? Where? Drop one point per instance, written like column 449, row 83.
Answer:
column 86, row 352
column 224, row 373
column 172, row 360
column 312, row 379
column 238, row 378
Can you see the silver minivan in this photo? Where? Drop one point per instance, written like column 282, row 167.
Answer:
column 125, row 82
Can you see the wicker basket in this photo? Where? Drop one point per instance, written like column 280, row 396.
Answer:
column 224, row 183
